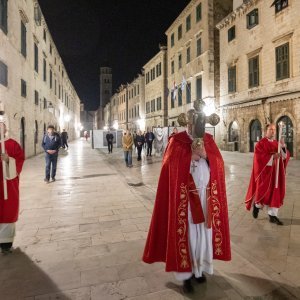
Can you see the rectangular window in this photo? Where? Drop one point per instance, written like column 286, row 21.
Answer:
column 188, row 55
column 179, row 62
column 172, row 100
column 179, row 91
column 188, row 23
column 45, row 103
column 198, row 46
column 23, row 39
column 36, row 58
column 55, row 87
column 158, row 69
column 232, row 79
column 282, row 62
column 50, row 49
column 199, row 88
column 3, row 15
column 172, row 40
column 59, row 91
column 280, row 5
column 50, row 78
column 252, row 18
column 152, row 105
column 23, row 88
column 188, row 93
column 3, row 73
column 44, row 69
column 44, row 35
column 179, row 32
column 148, row 107
column 231, row 34
column 36, row 97
column 253, row 72
column 172, row 67
column 158, row 103
column 198, row 12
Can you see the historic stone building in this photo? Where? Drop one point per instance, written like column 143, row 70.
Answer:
column 193, row 56
column 35, row 89
column 260, row 73
column 135, row 106
column 122, row 107
column 156, row 90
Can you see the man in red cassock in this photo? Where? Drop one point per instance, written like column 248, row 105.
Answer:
column 189, row 226
column 9, row 208
column 262, row 190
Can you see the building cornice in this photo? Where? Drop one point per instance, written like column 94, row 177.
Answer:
column 238, row 12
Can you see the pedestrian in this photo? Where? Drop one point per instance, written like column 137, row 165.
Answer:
column 140, row 140
column 134, row 139
column 189, row 226
column 110, row 139
column 262, row 190
column 86, row 135
column 13, row 159
column 149, row 137
column 145, row 144
column 51, row 144
column 127, row 142
column 64, row 139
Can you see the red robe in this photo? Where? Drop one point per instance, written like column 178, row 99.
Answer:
column 9, row 209
column 168, row 234
column 262, row 189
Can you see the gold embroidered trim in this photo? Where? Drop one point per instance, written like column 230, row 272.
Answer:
column 216, row 220
column 182, row 227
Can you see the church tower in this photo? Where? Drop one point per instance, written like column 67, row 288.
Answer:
column 105, row 85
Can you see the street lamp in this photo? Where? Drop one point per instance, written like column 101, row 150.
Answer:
column 116, row 125
column 105, row 127
column 142, row 124
column 67, row 118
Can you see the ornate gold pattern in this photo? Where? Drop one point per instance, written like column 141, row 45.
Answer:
column 182, row 227
column 216, row 220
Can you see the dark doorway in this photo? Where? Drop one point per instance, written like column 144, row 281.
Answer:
column 22, row 134
column 233, row 135
column 36, row 134
column 288, row 132
column 255, row 133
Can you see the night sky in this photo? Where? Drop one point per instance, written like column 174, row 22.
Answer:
column 123, row 34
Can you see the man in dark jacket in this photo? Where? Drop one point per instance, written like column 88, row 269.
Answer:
column 51, row 144
column 149, row 140
column 110, row 139
column 64, row 139
column 140, row 140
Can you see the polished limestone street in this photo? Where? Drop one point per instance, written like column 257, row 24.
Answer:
column 82, row 237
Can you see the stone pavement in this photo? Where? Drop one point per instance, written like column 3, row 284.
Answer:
column 82, row 237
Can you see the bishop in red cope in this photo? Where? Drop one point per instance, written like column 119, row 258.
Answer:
column 189, row 226
column 9, row 208
column 262, row 190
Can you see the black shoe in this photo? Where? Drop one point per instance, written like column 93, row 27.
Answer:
column 200, row 279
column 187, row 286
column 274, row 219
column 255, row 212
column 53, row 179
column 46, row 180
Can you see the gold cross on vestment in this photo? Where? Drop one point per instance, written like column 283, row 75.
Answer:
column 193, row 166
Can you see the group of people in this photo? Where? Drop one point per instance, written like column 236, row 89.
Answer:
column 189, row 226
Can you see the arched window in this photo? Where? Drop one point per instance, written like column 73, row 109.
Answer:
column 255, row 133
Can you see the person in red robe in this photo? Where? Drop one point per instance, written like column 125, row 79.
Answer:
column 9, row 208
column 262, row 190
column 177, row 199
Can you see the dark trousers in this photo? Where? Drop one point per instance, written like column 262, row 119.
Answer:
column 51, row 161
column 149, row 148
column 139, row 151
column 110, row 147
column 64, row 144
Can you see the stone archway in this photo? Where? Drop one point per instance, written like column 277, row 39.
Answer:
column 288, row 132
column 233, row 135
column 22, row 134
column 255, row 133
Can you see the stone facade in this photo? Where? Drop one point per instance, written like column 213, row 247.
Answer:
column 260, row 80
column 193, row 56
column 136, row 101
column 122, row 107
column 35, row 89
column 156, row 98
